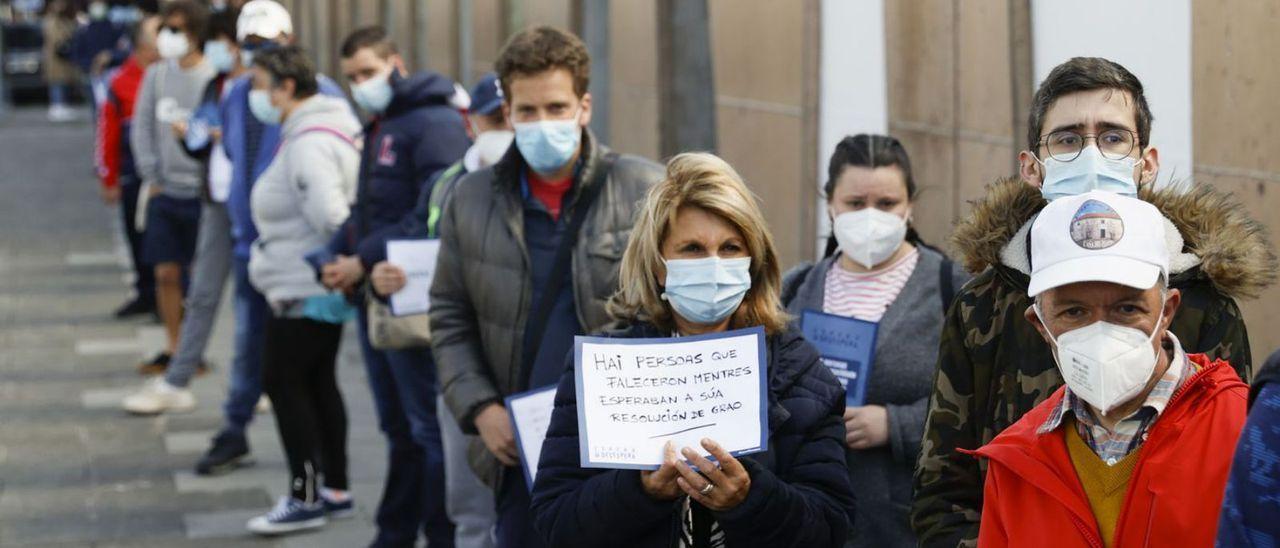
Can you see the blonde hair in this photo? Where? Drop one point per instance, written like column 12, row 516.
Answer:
column 704, row 181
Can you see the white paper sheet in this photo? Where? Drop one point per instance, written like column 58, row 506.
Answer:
column 636, row 394
column 531, row 415
column 418, row 260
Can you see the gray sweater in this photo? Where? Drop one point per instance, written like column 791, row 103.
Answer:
column 168, row 94
column 303, row 197
column 901, row 380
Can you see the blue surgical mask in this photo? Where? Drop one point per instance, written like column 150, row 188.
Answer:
column 261, row 107
column 219, row 55
column 246, row 57
column 706, row 291
column 373, row 95
column 1089, row 171
column 548, row 145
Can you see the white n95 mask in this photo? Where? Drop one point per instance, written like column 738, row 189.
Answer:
column 869, row 236
column 172, row 45
column 1103, row 363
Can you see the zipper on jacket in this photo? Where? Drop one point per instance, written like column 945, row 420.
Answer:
column 1089, row 535
column 1195, row 379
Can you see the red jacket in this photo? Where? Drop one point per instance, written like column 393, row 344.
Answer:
column 1034, row 498
column 115, row 113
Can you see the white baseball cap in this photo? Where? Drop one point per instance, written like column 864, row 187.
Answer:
column 1097, row 237
column 265, row 18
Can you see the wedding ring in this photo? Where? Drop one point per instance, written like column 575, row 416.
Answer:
column 707, row 489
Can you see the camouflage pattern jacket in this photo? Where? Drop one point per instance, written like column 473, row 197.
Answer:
column 993, row 366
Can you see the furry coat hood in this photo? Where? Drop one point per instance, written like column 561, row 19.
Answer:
column 1212, row 232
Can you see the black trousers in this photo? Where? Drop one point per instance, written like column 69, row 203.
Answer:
column 144, row 279
column 299, row 374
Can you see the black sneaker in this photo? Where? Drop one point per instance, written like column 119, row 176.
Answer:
column 135, row 307
column 229, row 452
column 156, row 365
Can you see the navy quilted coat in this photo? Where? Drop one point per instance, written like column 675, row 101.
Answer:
column 800, row 494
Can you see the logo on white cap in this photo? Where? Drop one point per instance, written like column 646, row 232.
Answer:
column 1096, row 226
column 1097, row 237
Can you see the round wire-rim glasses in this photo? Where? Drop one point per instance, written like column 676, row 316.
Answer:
column 1066, row 145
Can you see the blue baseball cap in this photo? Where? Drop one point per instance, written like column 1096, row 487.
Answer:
column 486, row 95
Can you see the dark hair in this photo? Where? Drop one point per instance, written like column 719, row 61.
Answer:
column 289, row 63
column 540, row 49
column 223, row 24
column 373, row 37
column 1087, row 74
column 497, row 117
column 869, row 151
column 140, row 29
column 194, row 15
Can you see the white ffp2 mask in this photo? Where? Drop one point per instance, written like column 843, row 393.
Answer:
column 869, row 236
column 1103, row 363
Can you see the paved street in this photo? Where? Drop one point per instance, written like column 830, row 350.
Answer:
column 75, row 470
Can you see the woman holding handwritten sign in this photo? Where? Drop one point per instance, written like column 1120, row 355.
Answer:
column 701, row 261
column 882, row 273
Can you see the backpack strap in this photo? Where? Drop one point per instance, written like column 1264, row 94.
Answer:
column 946, row 283
column 791, row 284
column 440, row 194
column 320, row 129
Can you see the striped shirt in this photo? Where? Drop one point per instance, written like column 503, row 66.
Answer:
column 866, row 295
column 1129, row 433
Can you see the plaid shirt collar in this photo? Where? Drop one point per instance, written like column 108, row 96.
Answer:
column 1111, row 445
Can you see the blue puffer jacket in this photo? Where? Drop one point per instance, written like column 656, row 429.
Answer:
column 800, row 494
column 234, row 112
column 419, row 135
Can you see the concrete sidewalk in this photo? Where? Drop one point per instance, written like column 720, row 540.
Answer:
column 75, row 470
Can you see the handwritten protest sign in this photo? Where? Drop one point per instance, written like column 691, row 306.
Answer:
column 530, row 417
column 847, row 346
column 636, row 394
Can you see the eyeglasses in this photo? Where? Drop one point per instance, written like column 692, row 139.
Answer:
column 1066, row 145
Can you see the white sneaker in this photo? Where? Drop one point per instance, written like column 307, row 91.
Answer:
column 61, row 113
column 158, row 396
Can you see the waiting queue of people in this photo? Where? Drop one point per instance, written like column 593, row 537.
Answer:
column 1098, row 351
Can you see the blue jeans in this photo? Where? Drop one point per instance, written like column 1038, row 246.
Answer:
column 57, row 94
column 245, row 384
column 404, row 392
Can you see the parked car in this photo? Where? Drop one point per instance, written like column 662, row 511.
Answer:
column 21, row 59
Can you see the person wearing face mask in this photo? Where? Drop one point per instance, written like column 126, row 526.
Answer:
column 1136, row 448
column 413, row 133
column 57, row 27
column 94, row 47
column 211, row 265
column 301, row 200
column 117, row 174
column 529, row 252
column 250, row 145
column 701, row 260
column 1089, row 128
column 878, row 270
column 468, row 502
column 172, row 180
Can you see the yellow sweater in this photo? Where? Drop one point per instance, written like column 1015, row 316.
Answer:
column 1104, row 485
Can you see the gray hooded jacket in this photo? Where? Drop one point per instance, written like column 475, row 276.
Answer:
column 303, row 196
